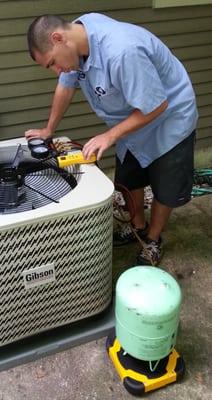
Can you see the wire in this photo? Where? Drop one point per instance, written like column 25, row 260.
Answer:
column 129, row 201
column 123, row 218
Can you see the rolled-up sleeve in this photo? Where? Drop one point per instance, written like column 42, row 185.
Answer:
column 69, row 79
column 135, row 75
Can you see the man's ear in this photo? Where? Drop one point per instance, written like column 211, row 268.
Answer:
column 56, row 37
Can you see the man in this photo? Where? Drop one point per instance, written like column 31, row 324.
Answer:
column 143, row 93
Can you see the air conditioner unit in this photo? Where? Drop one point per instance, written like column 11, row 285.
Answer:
column 56, row 246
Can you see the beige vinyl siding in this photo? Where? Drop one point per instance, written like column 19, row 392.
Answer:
column 26, row 89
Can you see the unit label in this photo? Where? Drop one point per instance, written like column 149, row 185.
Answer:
column 39, row 275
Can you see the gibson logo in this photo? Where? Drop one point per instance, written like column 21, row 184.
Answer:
column 39, row 276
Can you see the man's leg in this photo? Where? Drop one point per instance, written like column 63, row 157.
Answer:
column 151, row 251
column 130, row 175
column 159, row 217
column 171, row 179
column 126, row 233
column 139, row 218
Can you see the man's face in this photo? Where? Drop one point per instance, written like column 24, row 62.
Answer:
column 60, row 58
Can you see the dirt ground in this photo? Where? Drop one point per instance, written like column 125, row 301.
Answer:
column 86, row 373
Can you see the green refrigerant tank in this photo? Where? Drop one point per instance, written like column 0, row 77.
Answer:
column 147, row 309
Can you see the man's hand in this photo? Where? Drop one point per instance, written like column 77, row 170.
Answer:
column 35, row 133
column 136, row 120
column 97, row 145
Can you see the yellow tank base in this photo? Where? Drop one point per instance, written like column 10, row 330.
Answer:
column 137, row 376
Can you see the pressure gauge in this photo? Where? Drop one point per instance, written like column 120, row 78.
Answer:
column 38, row 148
column 35, row 142
column 39, row 152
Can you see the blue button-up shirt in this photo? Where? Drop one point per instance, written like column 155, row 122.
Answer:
column 129, row 68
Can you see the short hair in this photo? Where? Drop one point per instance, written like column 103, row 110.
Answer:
column 38, row 35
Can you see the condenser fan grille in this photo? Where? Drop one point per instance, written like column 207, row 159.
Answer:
column 43, row 183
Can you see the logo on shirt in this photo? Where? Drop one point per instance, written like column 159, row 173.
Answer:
column 81, row 76
column 100, row 91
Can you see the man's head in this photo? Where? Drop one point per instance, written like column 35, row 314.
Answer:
column 53, row 43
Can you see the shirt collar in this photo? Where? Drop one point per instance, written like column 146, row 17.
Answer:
column 94, row 59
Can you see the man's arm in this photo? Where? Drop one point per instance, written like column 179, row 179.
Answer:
column 136, row 120
column 60, row 104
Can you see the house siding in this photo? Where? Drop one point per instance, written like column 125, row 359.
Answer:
column 26, row 89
